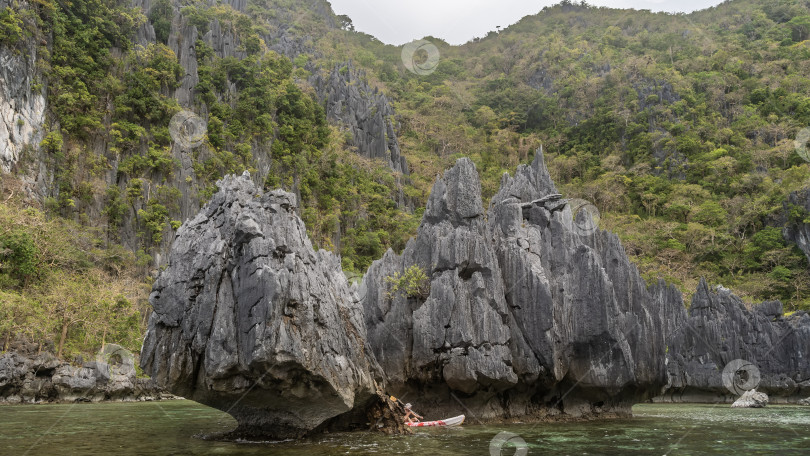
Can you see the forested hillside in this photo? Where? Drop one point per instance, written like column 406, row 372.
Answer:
column 680, row 129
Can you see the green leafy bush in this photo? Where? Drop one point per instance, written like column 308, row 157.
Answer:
column 161, row 18
column 11, row 27
column 18, row 257
column 153, row 221
column 414, row 282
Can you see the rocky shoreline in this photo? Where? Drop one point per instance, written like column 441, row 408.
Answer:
column 697, row 396
column 522, row 311
column 30, row 378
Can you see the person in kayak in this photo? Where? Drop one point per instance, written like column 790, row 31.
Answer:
column 410, row 415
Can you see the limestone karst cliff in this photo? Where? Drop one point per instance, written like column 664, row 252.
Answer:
column 250, row 319
column 22, row 100
column 28, row 113
column 365, row 112
column 531, row 313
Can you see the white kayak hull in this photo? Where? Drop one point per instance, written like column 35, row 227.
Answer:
column 449, row 422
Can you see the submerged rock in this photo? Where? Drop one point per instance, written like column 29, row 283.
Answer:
column 751, row 399
column 250, row 319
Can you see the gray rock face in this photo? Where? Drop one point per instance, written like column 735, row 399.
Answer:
column 805, row 401
column 751, row 399
column 22, row 108
column 458, row 335
column 526, row 316
column 721, row 340
column 223, row 41
column 350, row 100
column 146, row 32
column 795, row 231
column 43, row 378
column 182, row 40
column 250, row 319
column 365, row 112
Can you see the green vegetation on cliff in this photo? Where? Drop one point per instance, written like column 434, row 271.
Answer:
column 61, row 285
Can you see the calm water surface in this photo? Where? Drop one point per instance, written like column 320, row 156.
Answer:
column 169, row 428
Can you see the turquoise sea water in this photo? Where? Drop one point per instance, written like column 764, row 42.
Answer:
column 173, row 427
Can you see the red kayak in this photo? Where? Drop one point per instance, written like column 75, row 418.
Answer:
column 455, row 421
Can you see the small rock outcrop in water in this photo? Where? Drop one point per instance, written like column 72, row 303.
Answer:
column 770, row 350
column 526, row 316
column 751, row 399
column 804, row 401
column 250, row 319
